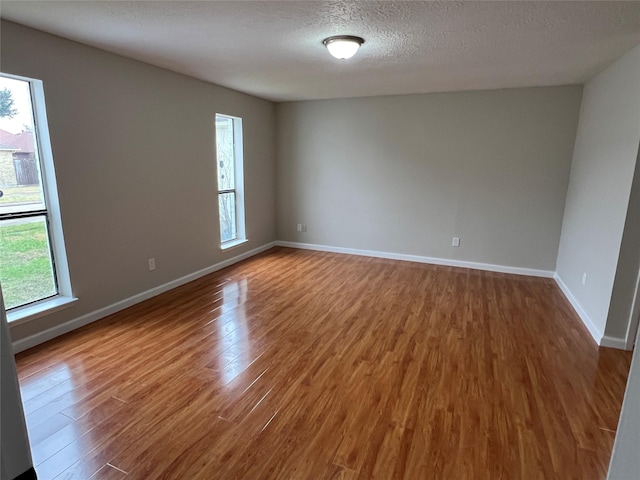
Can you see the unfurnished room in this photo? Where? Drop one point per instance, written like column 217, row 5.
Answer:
column 320, row 240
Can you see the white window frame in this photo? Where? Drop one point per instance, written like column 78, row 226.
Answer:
column 64, row 298
column 238, row 161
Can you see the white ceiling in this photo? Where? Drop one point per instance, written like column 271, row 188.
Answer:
column 273, row 49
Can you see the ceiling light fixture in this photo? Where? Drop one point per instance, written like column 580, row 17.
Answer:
column 343, row 46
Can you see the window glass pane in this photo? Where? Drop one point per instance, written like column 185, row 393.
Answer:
column 225, row 153
column 227, row 205
column 20, row 179
column 26, row 269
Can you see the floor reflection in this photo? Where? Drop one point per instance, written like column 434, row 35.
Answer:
column 233, row 331
column 49, row 398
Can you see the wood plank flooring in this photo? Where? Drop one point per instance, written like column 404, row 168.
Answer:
column 310, row 365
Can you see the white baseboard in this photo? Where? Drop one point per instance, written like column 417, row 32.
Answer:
column 613, row 342
column 46, row 335
column 420, row 259
column 50, row 333
column 593, row 330
column 597, row 335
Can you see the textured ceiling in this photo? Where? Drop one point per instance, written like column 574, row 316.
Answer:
column 273, row 49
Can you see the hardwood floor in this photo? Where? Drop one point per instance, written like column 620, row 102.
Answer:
column 309, row 365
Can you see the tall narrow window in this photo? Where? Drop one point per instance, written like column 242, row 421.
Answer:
column 230, row 180
column 32, row 258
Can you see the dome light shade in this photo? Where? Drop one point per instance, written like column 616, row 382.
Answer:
column 343, row 46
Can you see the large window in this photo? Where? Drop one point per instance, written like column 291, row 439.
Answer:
column 32, row 259
column 230, row 181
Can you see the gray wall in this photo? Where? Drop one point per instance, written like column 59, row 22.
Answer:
column 134, row 151
column 603, row 166
column 625, row 459
column 15, row 455
column 133, row 147
column 620, row 318
column 403, row 174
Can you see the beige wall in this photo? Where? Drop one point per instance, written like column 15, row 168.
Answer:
column 603, row 166
column 134, row 153
column 7, row 169
column 404, row 174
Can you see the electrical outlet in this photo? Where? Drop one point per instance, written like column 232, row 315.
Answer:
column 304, row 227
column 584, row 278
column 299, row 227
column 152, row 264
column 455, row 242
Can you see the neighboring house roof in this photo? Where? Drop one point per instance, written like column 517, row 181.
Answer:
column 7, row 148
column 22, row 142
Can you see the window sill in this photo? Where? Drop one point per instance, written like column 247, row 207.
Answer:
column 234, row 243
column 40, row 309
